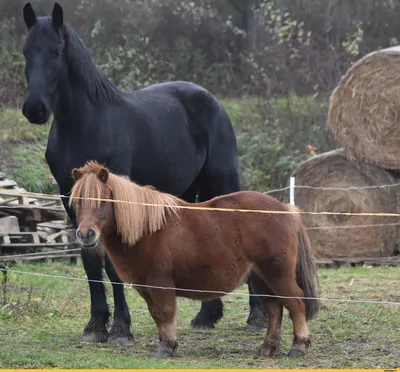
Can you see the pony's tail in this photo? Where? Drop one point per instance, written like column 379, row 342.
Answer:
column 306, row 269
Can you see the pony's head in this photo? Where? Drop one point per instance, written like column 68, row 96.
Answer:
column 135, row 211
column 44, row 54
column 95, row 216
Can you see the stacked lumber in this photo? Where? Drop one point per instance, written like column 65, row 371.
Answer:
column 32, row 225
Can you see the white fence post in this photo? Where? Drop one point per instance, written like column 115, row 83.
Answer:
column 292, row 186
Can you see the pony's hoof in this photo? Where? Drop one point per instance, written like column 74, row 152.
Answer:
column 257, row 321
column 270, row 349
column 299, row 348
column 294, row 353
column 200, row 323
column 123, row 341
column 99, row 336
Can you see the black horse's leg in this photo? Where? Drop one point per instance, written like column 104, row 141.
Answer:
column 120, row 331
column 257, row 320
column 96, row 329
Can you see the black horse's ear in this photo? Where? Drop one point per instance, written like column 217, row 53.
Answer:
column 29, row 15
column 76, row 174
column 103, row 175
column 57, row 16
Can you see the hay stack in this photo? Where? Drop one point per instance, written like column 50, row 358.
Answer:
column 334, row 170
column 364, row 113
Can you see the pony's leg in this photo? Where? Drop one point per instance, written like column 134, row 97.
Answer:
column 120, row 331
column 220, row 177
column 282, row 281
column 211, row 311
column 96, row 329
column 273, row 307
column 162, row 308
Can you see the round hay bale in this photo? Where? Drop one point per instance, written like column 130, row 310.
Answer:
column 364, row 110
column 329, row 234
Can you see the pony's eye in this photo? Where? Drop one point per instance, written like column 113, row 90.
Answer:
column 55, row 52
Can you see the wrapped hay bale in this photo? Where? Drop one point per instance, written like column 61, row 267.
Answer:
column 334, row 170
column 364, row 112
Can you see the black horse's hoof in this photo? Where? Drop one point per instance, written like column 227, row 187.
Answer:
column 201, row 323
column 121, row 335
column 123, row 341
column 257, row 321
column 95, row 336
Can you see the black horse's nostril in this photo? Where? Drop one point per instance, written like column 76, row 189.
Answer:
column 41, row 109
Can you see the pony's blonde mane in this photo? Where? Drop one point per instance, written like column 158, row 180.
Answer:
column 143, row 209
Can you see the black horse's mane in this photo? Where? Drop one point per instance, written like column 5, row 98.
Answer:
column 99, row 88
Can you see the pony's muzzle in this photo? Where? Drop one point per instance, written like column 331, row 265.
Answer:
column 88, row 237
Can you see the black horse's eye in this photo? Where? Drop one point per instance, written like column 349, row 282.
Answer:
column 55, row 52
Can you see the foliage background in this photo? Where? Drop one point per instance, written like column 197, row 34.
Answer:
column 273, row 64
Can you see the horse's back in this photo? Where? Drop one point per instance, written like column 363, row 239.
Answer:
column 183, row 107
column 271, row 224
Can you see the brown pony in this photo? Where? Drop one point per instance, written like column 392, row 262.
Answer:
column 156, row 240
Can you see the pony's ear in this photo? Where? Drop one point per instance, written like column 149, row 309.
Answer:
column 57, row 16
column 103, row 175
column 76, row 174
column 29, row 16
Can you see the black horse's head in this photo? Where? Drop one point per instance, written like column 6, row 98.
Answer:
column 44, row 54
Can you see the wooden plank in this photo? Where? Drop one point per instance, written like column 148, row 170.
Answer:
column 8, row 201
column 53, row 237
column 7, row 183
column 33, row 207
column 35, row 245
column 18, row 193
column 50, row 204
column 9, row 224
column 6, row 240
column 56, row 225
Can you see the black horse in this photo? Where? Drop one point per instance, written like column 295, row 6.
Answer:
column 175, row 136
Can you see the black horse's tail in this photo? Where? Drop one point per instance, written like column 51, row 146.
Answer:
column 306, row 269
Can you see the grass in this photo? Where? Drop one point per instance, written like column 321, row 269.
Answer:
column 43, row 319
column 22, row 149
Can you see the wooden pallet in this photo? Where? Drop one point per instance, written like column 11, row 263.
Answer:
column 31, row 242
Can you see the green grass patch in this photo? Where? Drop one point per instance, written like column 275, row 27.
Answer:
column 15, row 129
column 22, row 152
column 43, row 319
